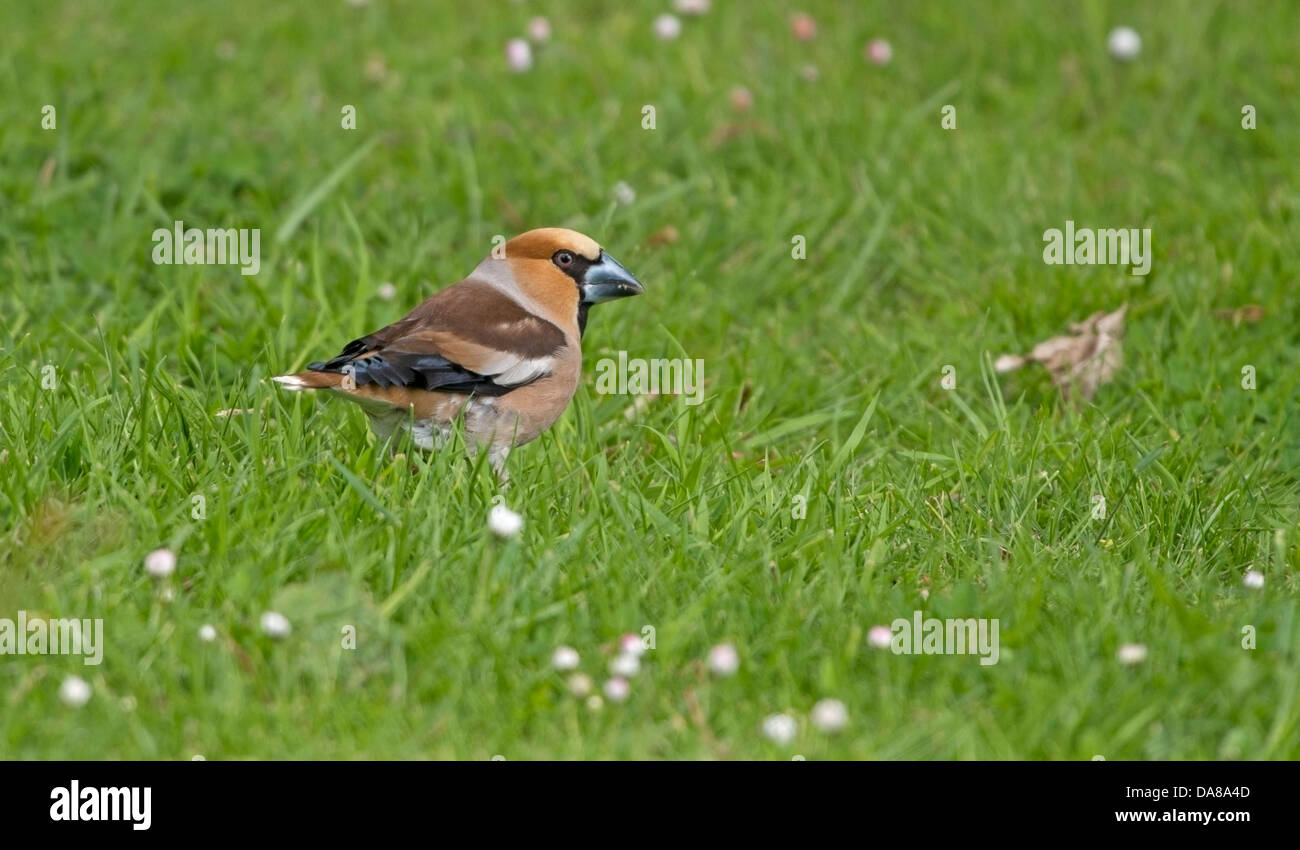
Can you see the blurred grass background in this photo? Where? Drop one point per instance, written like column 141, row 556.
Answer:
column 924, row 250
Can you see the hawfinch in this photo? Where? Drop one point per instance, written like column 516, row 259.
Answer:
column 500, row 350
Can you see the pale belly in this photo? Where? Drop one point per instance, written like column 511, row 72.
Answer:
column 484, row 423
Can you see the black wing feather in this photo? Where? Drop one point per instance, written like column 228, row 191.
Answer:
column 418, row 371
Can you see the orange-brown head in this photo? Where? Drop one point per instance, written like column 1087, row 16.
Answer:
column 564, row 272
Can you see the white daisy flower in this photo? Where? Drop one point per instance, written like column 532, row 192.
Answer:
column 1124, row 43
column 830, row 715
column 780, row 728
column 1132, row 653
column 74, row 692
column 565, row 658
column 275, row 625
column 625, row 666
column 504, row 522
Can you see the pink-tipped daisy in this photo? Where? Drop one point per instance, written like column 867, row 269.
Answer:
column 617, row 689
column 667, row 27
column 723, row 660
column 879, row 52
column 519, row 55
column 160, row 563
column 803, row 27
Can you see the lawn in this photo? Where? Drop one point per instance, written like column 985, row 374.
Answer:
column 829, row 481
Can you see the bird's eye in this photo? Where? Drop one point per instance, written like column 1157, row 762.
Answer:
column 564, row 259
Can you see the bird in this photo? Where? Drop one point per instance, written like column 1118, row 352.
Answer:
column 499, row 351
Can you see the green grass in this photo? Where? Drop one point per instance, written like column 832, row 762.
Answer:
column 924, row 250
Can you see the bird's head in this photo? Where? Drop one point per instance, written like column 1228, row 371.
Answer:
column 563, row 271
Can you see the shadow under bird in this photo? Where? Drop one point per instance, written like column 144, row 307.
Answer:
column 500, row 350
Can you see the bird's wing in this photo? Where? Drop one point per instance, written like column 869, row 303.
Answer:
column 469, row 338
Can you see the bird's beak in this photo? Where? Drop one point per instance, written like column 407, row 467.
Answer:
column 606, row 280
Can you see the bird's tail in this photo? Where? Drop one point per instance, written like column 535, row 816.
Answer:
column 310, row 380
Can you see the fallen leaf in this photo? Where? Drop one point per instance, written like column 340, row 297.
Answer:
column 1248, row 313
column 733, row 130
column 1081, row 361
column 666, row 235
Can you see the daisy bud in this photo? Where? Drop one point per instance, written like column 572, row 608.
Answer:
column 376, row 69
column 207, row 633
column 623, row 193
column 580, row 685
column 880, row 637
column 1253, row 579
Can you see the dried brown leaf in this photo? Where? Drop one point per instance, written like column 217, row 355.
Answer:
column 666, row 235
column 1248, row 313
column 1081, row 361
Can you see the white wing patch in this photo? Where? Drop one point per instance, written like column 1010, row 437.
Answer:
column 523, row 371
column 290, row 382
